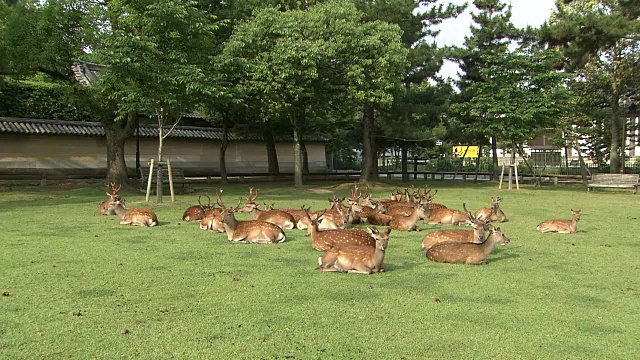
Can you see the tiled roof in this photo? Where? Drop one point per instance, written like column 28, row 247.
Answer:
column 57, row 127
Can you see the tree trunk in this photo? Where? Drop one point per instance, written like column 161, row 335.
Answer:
column 223, row 152
column 494, row 150
column 368, row 145
column 159, row 170
column 272, row 155
column 405, row 170
column 614, row 156
column 297, row 150
column 305, row 158
column 116, row 133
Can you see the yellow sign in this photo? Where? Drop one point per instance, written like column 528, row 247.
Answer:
column 471, row 151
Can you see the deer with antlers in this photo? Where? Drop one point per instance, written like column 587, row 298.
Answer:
column 325, row 240
column 467, row 253
column 561, row 226
column 139, row 217
column 449, row 217
column 496, row 214
column 356, row 259
column 113, row 197
column 283, row 219
column 251, row 231
column 480, row 227
column 197, row 212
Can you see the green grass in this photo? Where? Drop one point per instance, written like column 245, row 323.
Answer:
column 185, row 293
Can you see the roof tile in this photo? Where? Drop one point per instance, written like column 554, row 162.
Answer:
column 58, row 127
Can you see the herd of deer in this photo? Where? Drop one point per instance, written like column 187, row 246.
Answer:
column 349, row 249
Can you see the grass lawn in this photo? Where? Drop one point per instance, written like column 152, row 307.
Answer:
column 76, row 280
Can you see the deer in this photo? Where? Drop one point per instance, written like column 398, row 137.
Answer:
column 409, row 223
column 449, row 217
column 251, row 231
column 561, row 226
column 139, row 217
column 497, row 215
column 480, row 226
column 283, row 219
column 113, row 197
column 196, row 212
column 467, row 252
column 379, row 219
column 325, row 240
column 356, row 259
column 332, row 220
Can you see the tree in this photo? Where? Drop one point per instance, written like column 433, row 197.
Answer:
column 418, row 103
column 600, row 42
column 156, row 55
column 490, row 36
column 299, row 63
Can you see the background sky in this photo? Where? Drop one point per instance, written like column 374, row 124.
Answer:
column 524, row 12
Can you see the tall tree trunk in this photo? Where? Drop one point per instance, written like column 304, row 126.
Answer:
column 405, row 165
column 116, row 133
column 614, row 156
column 223, row 151
column 305, row 157
column 368, row 145
column 494, row 150
column 298, row 120
column 272, row 155
column 159, row 170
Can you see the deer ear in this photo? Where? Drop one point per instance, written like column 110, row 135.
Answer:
column 388, row 231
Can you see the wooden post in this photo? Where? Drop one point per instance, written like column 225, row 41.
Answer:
column 501, row 178
column 515, row 167
column 149, row 181
column 173, row 196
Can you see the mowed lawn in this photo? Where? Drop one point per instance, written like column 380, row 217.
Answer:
column 77, row 280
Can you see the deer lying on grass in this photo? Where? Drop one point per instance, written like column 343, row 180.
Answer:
column 480, row 226
column 139, row 217
column 449, row 217
column 331, row 220
column 409, row 223
column 356, row 259
column 113, row 197
column 561, row 226
column 325, row 240
column 496, row 214
column 283, row 219
column 251, row 231
column 467, row 253
column 196, row 212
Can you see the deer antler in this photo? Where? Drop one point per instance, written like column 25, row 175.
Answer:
column 209, row 202
column 220, row 203
column 251, row 198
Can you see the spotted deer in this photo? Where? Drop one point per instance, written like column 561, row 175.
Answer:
column 251, row 231
column 494, row 212
column 409, row 223
column 196, row 212
column 139, row 217
column 467, row 252
column 283, row 219
column 113, row 197
column 327, row 239
column 480, row 227
column 356, row 259
column 449, row 217
column 561, row 226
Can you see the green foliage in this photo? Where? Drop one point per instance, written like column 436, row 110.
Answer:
column 519, row 94
column 156, row 54
column 77, row 282
column 38, row 100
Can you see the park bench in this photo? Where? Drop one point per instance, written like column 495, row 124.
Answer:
column 619, row 181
